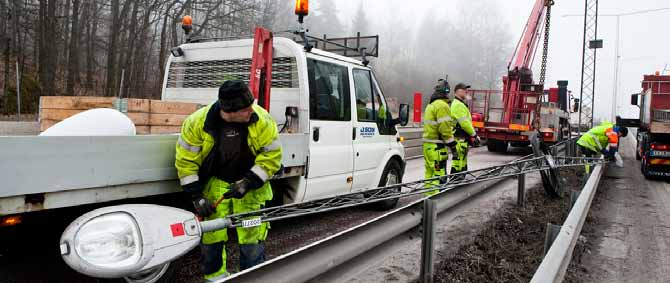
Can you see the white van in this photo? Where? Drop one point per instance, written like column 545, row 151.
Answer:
column 337, row 133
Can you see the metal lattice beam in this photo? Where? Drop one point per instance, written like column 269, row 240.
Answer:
column 523, row 166
column 586, row 96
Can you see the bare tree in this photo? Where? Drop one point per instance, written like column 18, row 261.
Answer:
column 73, row 56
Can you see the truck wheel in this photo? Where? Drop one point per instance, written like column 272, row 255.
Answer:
column 645, row 169
column 392, row 175
column 637, row 151
column 491, row 145
column 501, row 146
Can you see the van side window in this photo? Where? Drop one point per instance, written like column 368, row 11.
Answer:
column 365, row 101
column 329, row 97
column 385, row 121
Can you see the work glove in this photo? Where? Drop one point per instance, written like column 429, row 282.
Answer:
column 608, row 154
column 203, row 206
column 474, row 141
column 250, row 182
column 237, row 189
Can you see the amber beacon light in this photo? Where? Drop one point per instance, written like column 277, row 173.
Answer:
column 301, row 7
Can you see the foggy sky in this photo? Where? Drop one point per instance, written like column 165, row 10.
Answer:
column 643, row 40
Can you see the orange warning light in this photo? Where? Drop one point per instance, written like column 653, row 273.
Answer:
column 187, row 20
column 10, row 221
column 301, row 7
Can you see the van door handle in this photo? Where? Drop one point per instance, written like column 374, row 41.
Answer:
column 315, row 136
column 353, row 134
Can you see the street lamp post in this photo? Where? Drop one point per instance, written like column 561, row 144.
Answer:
column 617, row 50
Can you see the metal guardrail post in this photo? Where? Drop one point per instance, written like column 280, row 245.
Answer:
column 427, row 243
column 550, row 236
column 521, row 190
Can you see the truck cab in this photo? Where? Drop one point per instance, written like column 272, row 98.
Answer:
column 337, row 132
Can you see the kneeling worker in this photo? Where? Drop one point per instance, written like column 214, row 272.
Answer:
column 229, row 149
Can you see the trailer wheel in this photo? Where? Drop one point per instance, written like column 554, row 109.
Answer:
column 392, row 175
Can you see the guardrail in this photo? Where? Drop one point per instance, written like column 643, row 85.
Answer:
column 327, row 259
column 413, row 141
column 559, row 255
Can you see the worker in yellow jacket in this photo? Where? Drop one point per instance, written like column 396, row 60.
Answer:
column 603, row 138
column 229, row 150
column 464, row 133
column 438, row 134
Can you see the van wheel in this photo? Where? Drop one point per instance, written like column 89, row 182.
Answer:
column 160, row 274
column 392, row 175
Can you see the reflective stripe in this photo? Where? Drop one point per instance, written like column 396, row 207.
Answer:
column 430, row 122
column 187, row 146
column 189, row 179
column 217, row 278
column 450, row 140
column 260, row 172
column 595, row 139
column 276, row 144
column 462, row 119
column 613, row 144
column 444, row 119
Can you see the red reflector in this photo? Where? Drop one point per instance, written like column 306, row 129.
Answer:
column 660, row 146
column 177, row 229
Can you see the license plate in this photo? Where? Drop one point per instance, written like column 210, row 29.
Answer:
column 660, row 153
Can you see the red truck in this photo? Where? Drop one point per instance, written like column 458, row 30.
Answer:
column 653, row 135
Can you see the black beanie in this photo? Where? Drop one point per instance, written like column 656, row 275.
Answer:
column 234, row 96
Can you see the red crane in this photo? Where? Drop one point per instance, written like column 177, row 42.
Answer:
column 521, row 107
column 260, row 79
column 519, row 77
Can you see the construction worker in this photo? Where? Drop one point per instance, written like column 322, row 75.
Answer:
column 464, row 132
column 437, row 134
column 229, row 150
column 603, row 138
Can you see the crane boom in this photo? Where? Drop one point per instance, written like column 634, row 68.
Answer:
column 519, row 74
column 530, row 37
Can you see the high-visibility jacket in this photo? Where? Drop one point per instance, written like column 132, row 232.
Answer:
column 196, row 142
column 461, row 114
column 438, row 126
column 599, row 137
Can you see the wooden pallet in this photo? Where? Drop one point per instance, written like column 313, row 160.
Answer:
column 149, row 116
